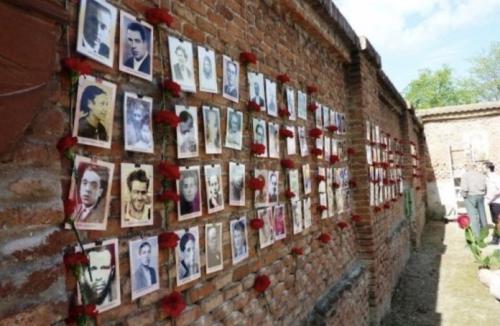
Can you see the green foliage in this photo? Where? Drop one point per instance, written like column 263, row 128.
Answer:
column 485, row 74
column 476, row 244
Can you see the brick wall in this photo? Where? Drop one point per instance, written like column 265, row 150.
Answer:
column 351, row 279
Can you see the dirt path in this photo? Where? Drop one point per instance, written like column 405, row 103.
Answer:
column 440, row 285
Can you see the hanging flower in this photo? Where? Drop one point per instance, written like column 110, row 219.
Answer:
column 387, row 205
column 325, row 238
column 168, row 240
column 287, row 163
column 172, row 88
column 463, row 221
column 262, row 282
column 315, row 132
column 289, row 194
column 156, row 16
column 76, row 258
column 353, row 183
column 69, row 207
column 316, row 151
column 351, row 151
column 312, row 107
column 377, row 209
column 65, row 144
column 77, row 66
column 310, row 89
column 253, row 106
column 334, row 159
column 342, row 225
column 417, row 188
column 256, row 223
column 283, row 112
column 356, row 218
column 256, row 148
column 335, row 185
column 169, row 195
column 256, row 183
column 332, row 128
column 247, row 58
column 285, row 133
column 320, row 178
column 76, row 313
column 283, row 78
column 384, row 165
column 173, row 304
column 167, row 118
column 169, row 170
column 322, row 208
column 297, row 251
column 393, row 200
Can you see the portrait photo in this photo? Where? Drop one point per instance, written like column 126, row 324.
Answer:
column 189, row 188
column 91, row 189
column 306, row 176
column 231, row 79
column 266, row 234
column 144, row 275
column 327, row 148
column 322, row 184
column 100, row 282
column 234, row 129
column 318, row 116
column 239, row 239
column 181, row 63
column 136, row 194
column 236, row 184
column 136, row 46
column 326, row 116
column 187, row 131
column 187, row 255
column 319, row 144
column 213, row 185
column 271, row 101
column 290, row 103
column 273, row 186
column 213, row 247
column 279, row 222
column 96, row 30
column 260, row 134
column 274, row 139
column 304, row 150
column 95, row 107
column 333, row 119
column 293, row 181
column 137, row 119
column 261, row 195
column 256, row 89
column 306, row 204
column 298, row 224
column 291, row 142
column 301, row 105
column 211, row 126
column 323, row 202
column 207, row 70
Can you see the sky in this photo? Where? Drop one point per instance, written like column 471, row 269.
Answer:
column 411, row 35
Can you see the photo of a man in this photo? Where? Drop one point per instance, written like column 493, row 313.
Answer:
column 290, row 103
column 213, row 251
column 187, row 255
column 236, row 184
column 211, row 119
column 234, row 129
column 96, row 30
column 266, row 234
column 293, row 181
column 260, row 135
column 271, row 101
column 306, row 175
column 307, row 212
column 136, row 194
column 189, row 205
column 304, row 150
column 213, row 183
column 279, row 222
column 274, row 140
column 231, row 78
column 239, row 242
column 273, row 189
column 261, row 195
column 187, row 131
column 207, row 71
column 144, row 266
column 138, row 123
column 256, row 85
column 297, row 216
column 181, row 63
column 301, row 105
column 291, row 143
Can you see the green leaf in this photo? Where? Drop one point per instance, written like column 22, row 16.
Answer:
column 483, row 234
column 482, row 245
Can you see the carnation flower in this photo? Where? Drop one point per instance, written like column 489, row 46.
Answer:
column 248, row 57
column 312, row 107
column 258, row 149
column 283, row 112
column 285, row 133
column 315, row 132
column 289, row 194
column 168, row 240
column 342, row 225
column 262, row 282
column 325, row 238
column 253, row 106
column 256, row 183
column 167, row 118
column 156, row 16
column 66, row 143
column 172, row 87
column 283, row 78
column 169, row 170
column 316, row 151
column 356, row 218
column 173, row 304
column 312, row 89
column 77, row 66
column 463, row 221
column 297, row 251
column 332, row 128
column 169, row 195
column 287, row 164
column 256, row 223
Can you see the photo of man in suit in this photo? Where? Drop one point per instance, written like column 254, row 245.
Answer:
column 239, row 239
column 138, row 38
column 144, row 275
column 92, row 185
column 231, row 79
column 181, row 70
column 96, row 28
column 214, row 247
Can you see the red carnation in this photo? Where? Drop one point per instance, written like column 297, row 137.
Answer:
column 387, row 205
column 173, row 304
column 172, row 87
column 287, row 163
column 315, row 132
column 75, row 312
column 353, row 183
column 312, row 107
column 332, row 128
column 77, row 65
column 312, row 89
column 384, row 165
column 66, row 143
column 335, row 185
column 76, row 258
column 463, row 221
column 156, row 16
column 283, row 112
column 69, row 207
column 261, row 284
column 320, row 178
column 393, row 200
column 168, row 240
column 342, row 225
column 258, row 148
column 256, row 223
column 169, row 170
column 417, row 188
column 377, row 209
column 253, row 106
column 248, row 57
column 325, row 238
column 283, row 78
column 316, row 151
column 334, row 159
column 297, row 251
column 350, row 151
column 167, row 118
column 256, row 183
column 356, row 218
column 285, row 133
column 322, row 208
column 289, row 194
column 169, row 195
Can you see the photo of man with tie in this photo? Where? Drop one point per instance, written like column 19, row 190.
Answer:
column 91, row 189
column 144, row 266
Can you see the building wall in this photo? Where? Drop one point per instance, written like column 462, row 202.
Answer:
column 354, row 275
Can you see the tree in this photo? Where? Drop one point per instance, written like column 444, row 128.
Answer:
column 485, row 73
column 439, row 88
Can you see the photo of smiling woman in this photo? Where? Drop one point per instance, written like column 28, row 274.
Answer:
column 189, row 204
column 95, row 108
column 187, row 255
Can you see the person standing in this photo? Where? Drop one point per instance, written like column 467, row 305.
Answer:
column 473, row 189
column 493, row 199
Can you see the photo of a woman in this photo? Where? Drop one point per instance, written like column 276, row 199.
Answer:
column 187, row 255
column 189, row 204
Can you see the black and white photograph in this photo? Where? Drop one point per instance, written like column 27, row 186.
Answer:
column 95, row 107
column 181, row 63
column 290, row 103
column 260, row 134
column 96, row 30
column 100, row 282
column 136, row 46
column 236, row 184
column 298, row 224
column 261, row 195
column 306, row 204
column 333, row 119
column 231, row 79
column 234, row 129
column 137, row 119
column 207, row 70
column 274, row 139
column 319, row 144
column 318, row 116
column 213, row 185
column 256, row 91
column 145, row 277
column 304, row 150
column 326, row 116
column 301, row 105
column 213, row 247
column 322, row 184
column 291, row 142
column 187, row 131
column 187, row 255
column 327, row 147
column 213, row 131
column 293, row 181
column 279, row 222
column 323, row 202
column 136, row 195
column 91, row 191
column 273, row 186
column 239, row 239
column 189, row 188
column 271, row 100
column 266, row 234
column 306, row 175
